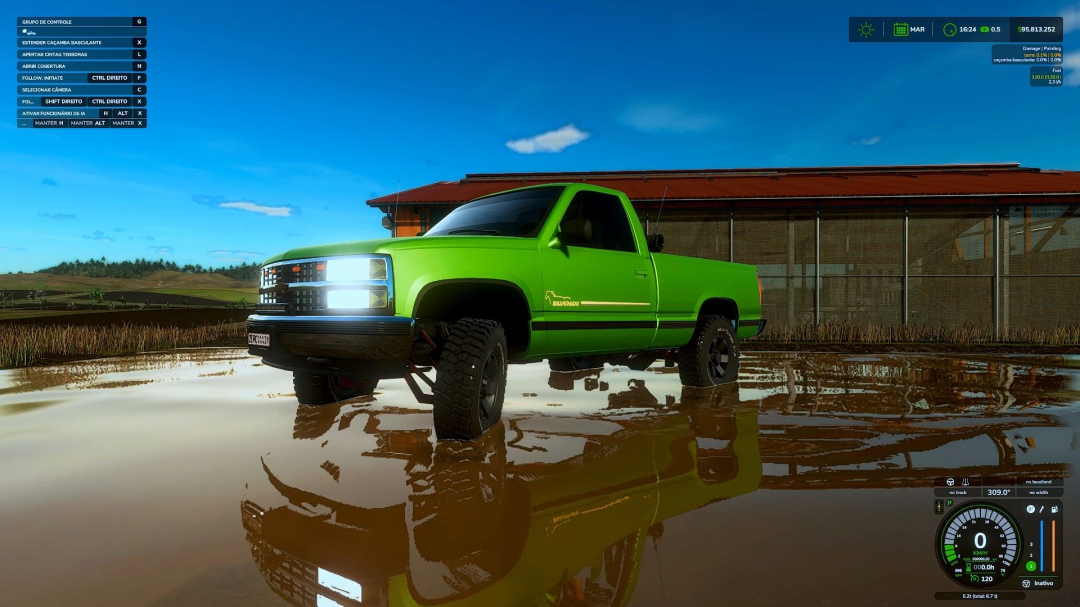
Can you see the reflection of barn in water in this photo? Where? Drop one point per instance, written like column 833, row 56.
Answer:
column 892, row 423
column 568, row 504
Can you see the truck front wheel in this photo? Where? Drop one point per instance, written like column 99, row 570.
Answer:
column 712, row 356
column 470, row 381
column 318, row 390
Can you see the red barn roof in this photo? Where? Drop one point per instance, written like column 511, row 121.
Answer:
column 730, row 185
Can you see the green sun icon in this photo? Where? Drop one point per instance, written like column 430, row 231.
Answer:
column 866, row 30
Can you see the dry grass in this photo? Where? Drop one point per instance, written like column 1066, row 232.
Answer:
column 846, row 333
column 27, row 344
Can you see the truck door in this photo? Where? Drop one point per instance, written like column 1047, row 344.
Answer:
column 599, row 288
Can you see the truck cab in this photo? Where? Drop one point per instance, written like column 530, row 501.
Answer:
column 557, row 271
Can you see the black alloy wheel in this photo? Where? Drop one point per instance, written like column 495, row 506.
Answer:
column 711, row 357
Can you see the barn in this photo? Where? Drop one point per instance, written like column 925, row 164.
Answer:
column 995, row 246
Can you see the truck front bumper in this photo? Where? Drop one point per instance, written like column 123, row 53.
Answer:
column 345, row 345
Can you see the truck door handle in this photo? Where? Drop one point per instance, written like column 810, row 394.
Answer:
column 641, row 273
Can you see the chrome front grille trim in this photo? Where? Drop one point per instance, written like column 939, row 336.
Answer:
column 306, row 290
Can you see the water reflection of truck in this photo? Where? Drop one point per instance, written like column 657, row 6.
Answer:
column 475, row 529
column 576, row 495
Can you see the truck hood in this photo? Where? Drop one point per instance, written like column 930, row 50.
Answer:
column 389, row 245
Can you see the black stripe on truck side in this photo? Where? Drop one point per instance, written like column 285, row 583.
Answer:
column 571, row 325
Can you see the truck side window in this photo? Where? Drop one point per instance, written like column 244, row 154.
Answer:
column 610, row 227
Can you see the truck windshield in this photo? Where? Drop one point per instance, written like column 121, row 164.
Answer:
column 518, row 213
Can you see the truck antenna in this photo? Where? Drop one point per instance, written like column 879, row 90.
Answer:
column 656, row 225
column 397, row 201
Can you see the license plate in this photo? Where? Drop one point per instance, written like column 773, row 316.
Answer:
column 259, row 339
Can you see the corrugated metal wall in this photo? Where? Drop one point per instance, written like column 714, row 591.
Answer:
column 937, row 266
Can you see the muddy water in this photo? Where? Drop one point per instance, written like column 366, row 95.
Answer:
column 192, row 478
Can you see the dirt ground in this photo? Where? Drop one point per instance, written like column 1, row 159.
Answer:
column 193, row 478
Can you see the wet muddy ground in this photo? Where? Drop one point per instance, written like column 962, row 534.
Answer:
column 193, row 478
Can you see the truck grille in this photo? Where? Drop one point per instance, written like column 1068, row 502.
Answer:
column 300, row 287
column 290, row 272
column 309, row 300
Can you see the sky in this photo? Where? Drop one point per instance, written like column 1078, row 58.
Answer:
column 272, row 123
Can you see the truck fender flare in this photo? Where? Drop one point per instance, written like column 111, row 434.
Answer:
column 723, row 306
column 426, row 289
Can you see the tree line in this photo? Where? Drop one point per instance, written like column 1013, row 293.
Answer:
column 100, row 268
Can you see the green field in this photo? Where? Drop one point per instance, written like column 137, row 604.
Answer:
column 164, row 281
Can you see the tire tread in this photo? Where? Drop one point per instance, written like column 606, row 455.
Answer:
column 456, row 382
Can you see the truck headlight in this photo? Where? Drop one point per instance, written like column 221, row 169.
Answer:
column 355, row 268
column 354, row 299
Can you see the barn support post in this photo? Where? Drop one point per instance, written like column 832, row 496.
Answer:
column 789, row 282
column 817, row 264
column 904, row 307
column 731, row 235
column 996, row 296
column 1005, row 253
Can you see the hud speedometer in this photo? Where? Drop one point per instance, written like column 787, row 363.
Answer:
column 979, row 545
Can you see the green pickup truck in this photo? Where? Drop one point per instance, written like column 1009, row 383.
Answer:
column 557, row 271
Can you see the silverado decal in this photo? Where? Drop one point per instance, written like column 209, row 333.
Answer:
column 560, row 301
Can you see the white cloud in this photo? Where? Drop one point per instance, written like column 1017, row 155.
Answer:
column 258, row 208
column 161, row 250
column 221, row 202
column 551, row 141
column 1071, row 63
column 668, row 117
column 12, row 248
column 876, row 139
column 1070, row 16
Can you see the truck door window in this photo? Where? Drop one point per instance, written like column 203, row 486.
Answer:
column 607, row 218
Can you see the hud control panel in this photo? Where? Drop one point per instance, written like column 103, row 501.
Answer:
column 81, row 72
column 1000, row 538
column 1034, row 42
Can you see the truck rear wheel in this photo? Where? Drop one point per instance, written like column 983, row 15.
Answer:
column 470, row 380
column 318, row 390
column 712, row 356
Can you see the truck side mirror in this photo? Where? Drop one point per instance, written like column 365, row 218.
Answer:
column 578, row 230
column 387, row 222
column 655, row 242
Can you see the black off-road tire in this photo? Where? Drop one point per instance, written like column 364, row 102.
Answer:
column 311, row 389
column 319, row 390
column 470, row 381
column 577, row 363
column 711, row 357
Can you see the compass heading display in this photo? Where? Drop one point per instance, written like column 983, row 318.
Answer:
column 955, row 29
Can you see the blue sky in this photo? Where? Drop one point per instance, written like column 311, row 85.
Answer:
column 271, row 123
